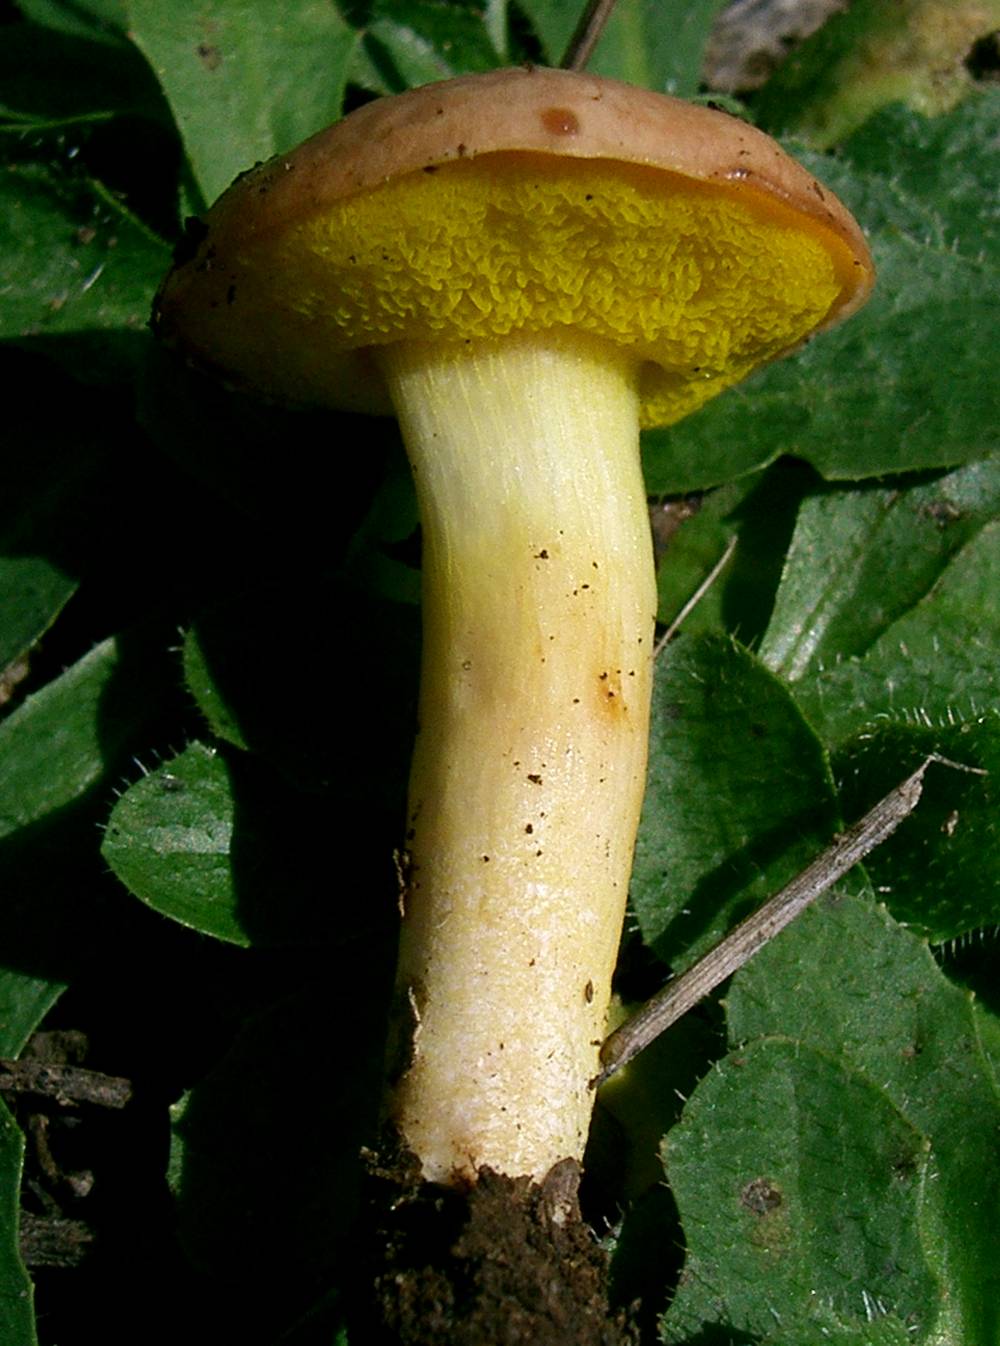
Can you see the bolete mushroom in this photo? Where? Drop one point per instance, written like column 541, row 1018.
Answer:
column 527, row 266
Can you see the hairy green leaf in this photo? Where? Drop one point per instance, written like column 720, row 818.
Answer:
column 800, row 1185
column 846, row 980
column 934, row 667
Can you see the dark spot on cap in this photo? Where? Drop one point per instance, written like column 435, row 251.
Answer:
column 560, row 121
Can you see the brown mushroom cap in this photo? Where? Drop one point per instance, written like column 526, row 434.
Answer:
column 511, row 202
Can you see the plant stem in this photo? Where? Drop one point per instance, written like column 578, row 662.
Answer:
column 529, row 766
column 587, row 34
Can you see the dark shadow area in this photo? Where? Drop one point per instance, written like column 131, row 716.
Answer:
column 276, row 1052
column 275, row 1059
column 973, row 961
column 983, row 61
column 303, row 479
column 81, row 76
column 317, row 678
column 269, row 1144
column 625, row 1187
column 766, row 520
column 307, row 868
column 648, row 1258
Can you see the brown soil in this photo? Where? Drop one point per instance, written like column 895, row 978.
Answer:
column 506, row 1262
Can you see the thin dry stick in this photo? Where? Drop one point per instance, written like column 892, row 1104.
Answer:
column 66, row 1084
column 697, row 596
column 586, row 34
column 740, row 945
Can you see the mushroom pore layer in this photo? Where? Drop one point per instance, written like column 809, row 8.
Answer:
column 698, row 283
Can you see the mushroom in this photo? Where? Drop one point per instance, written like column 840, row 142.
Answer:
column 526, row 266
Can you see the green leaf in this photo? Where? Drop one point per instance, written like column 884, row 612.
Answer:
column 659, row 44
column 169, row 840
column 872, row 54
column 24, row 1002
column 924, row 683
column 244, row 83
column 61, row 743
column 33, row 591
column 17, row 1322
column 59, row 751
column 72, row 262
column 827, row 1330
column 738, row 796
column 899, row 386
column 203, row 687
column 800, row 1188
column 834, row 601
column 846, row 980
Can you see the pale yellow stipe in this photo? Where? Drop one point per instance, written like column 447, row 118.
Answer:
column 696, row 285
column 529, row 767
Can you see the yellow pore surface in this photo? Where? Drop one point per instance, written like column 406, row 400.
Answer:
column 701, row 286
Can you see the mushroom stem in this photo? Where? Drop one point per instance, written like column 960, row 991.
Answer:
column 529, row 767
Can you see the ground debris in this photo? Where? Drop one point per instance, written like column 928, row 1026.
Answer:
column 505, row 1262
